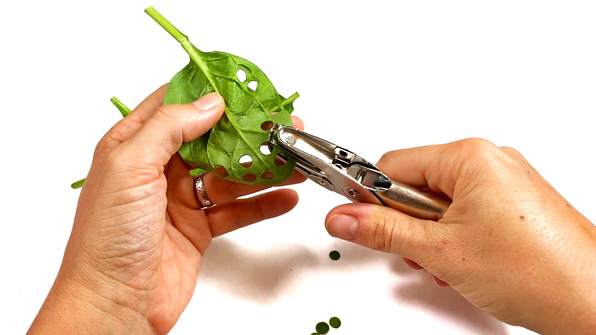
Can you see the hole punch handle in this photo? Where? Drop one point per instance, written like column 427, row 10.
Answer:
column 412, row 201
column 404, row 198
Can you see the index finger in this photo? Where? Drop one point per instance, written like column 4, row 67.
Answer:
column 422, row 167
column 409, row 166
column 439, row 167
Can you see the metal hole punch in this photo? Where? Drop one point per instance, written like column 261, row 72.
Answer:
column 342, row 171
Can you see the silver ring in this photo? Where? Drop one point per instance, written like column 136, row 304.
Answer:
column 200, row 192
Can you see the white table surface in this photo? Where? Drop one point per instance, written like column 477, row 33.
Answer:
column 373, row 76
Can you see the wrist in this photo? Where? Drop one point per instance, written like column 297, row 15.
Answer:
column 73, row 307
column 572, row 306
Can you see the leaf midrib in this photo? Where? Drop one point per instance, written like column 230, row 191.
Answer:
column 195, row 57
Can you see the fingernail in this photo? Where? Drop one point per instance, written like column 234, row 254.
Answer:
column 343, row 226
column 208, row 101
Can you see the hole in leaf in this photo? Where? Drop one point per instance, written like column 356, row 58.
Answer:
column 267, row 175
column 249, row 177
column 280, row 160
column 253, row 85
column 245, row 161
column 221, row 171
column 241, row 75
column 267, row 125
column 265, row 149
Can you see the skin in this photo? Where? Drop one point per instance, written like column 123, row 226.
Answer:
column 509, row 243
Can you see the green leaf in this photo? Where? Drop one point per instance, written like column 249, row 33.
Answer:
column 232, row 149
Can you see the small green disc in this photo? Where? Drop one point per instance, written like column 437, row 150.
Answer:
column 334, row 255
column 335, row 322
column 322, row 328
column 315, row 334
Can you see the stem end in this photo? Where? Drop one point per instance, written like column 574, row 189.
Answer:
column 121, row 107
column 165, row 24
column 77, row 184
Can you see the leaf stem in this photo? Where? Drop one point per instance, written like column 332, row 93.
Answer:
column 290, row 99
column 166, row 24
column 286, row 102
column 121, row 107
column 77, row 184
column 186, row 45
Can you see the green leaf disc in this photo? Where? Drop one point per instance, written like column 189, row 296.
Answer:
column 322, row 328
column 334, row 255
column 335, row 322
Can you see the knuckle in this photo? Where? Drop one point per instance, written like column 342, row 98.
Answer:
column 483, row 153
column 236, row 217
column 476, row 144
column 105, row 153
column 166, row 113
column 260, row 209
column 383, row 236
column 113, row 161
column 112, row 158
column 476, row 151
column 510, row 151
column 102, row 148
column 387, row 157
column 377, row 239
column 388, row 160
column 233, row 189
column 108, row 143
column 170, row 119
column 513, row 153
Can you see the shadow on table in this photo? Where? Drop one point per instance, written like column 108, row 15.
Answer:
column 253, row 274
column 445, row 302
column 264, row 275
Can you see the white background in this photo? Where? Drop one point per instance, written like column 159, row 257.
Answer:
column 373, row 76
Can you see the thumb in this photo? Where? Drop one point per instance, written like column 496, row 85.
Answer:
column 169, row 126
column 382, row 228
